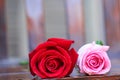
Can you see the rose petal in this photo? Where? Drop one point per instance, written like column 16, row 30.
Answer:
column 81, row 52
column 105, row 48
column 107, row 65
column 30, row 57
column 45, row 45
column 53, row 63
column 64, row 43
column 74, row 57
column 41, row 46
column 68, row 63
column 33, row 63
column 88, row 68
column 55, row 54
column 96, row 47
column 94, row 61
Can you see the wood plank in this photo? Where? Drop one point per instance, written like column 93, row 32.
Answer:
column 16, row 76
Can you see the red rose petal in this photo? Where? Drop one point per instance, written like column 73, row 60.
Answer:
column 30, row 57
column 33, row 64
column 41, row 46
column 74, row 57
column 68, row 63
column 55, row 74
column 45, row 45
column 48, row 54
column 53, row 63
column 64, row 43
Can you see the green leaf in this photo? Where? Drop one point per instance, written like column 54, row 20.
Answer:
column 99, row 42
column 23, row 63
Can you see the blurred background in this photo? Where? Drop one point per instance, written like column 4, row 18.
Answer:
column 26, row 23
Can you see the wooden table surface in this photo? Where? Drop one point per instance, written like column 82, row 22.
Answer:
column 19, row 73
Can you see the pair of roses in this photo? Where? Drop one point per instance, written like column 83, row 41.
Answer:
column 55, row 59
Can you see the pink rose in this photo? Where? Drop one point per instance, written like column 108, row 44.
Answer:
column 93, row 59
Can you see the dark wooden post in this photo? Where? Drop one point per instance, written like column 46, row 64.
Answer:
column 3, row 50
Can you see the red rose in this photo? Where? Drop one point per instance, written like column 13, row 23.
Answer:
column 53, row 58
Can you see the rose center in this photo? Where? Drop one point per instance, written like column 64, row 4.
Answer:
column 53, row 64
column 94, row 61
